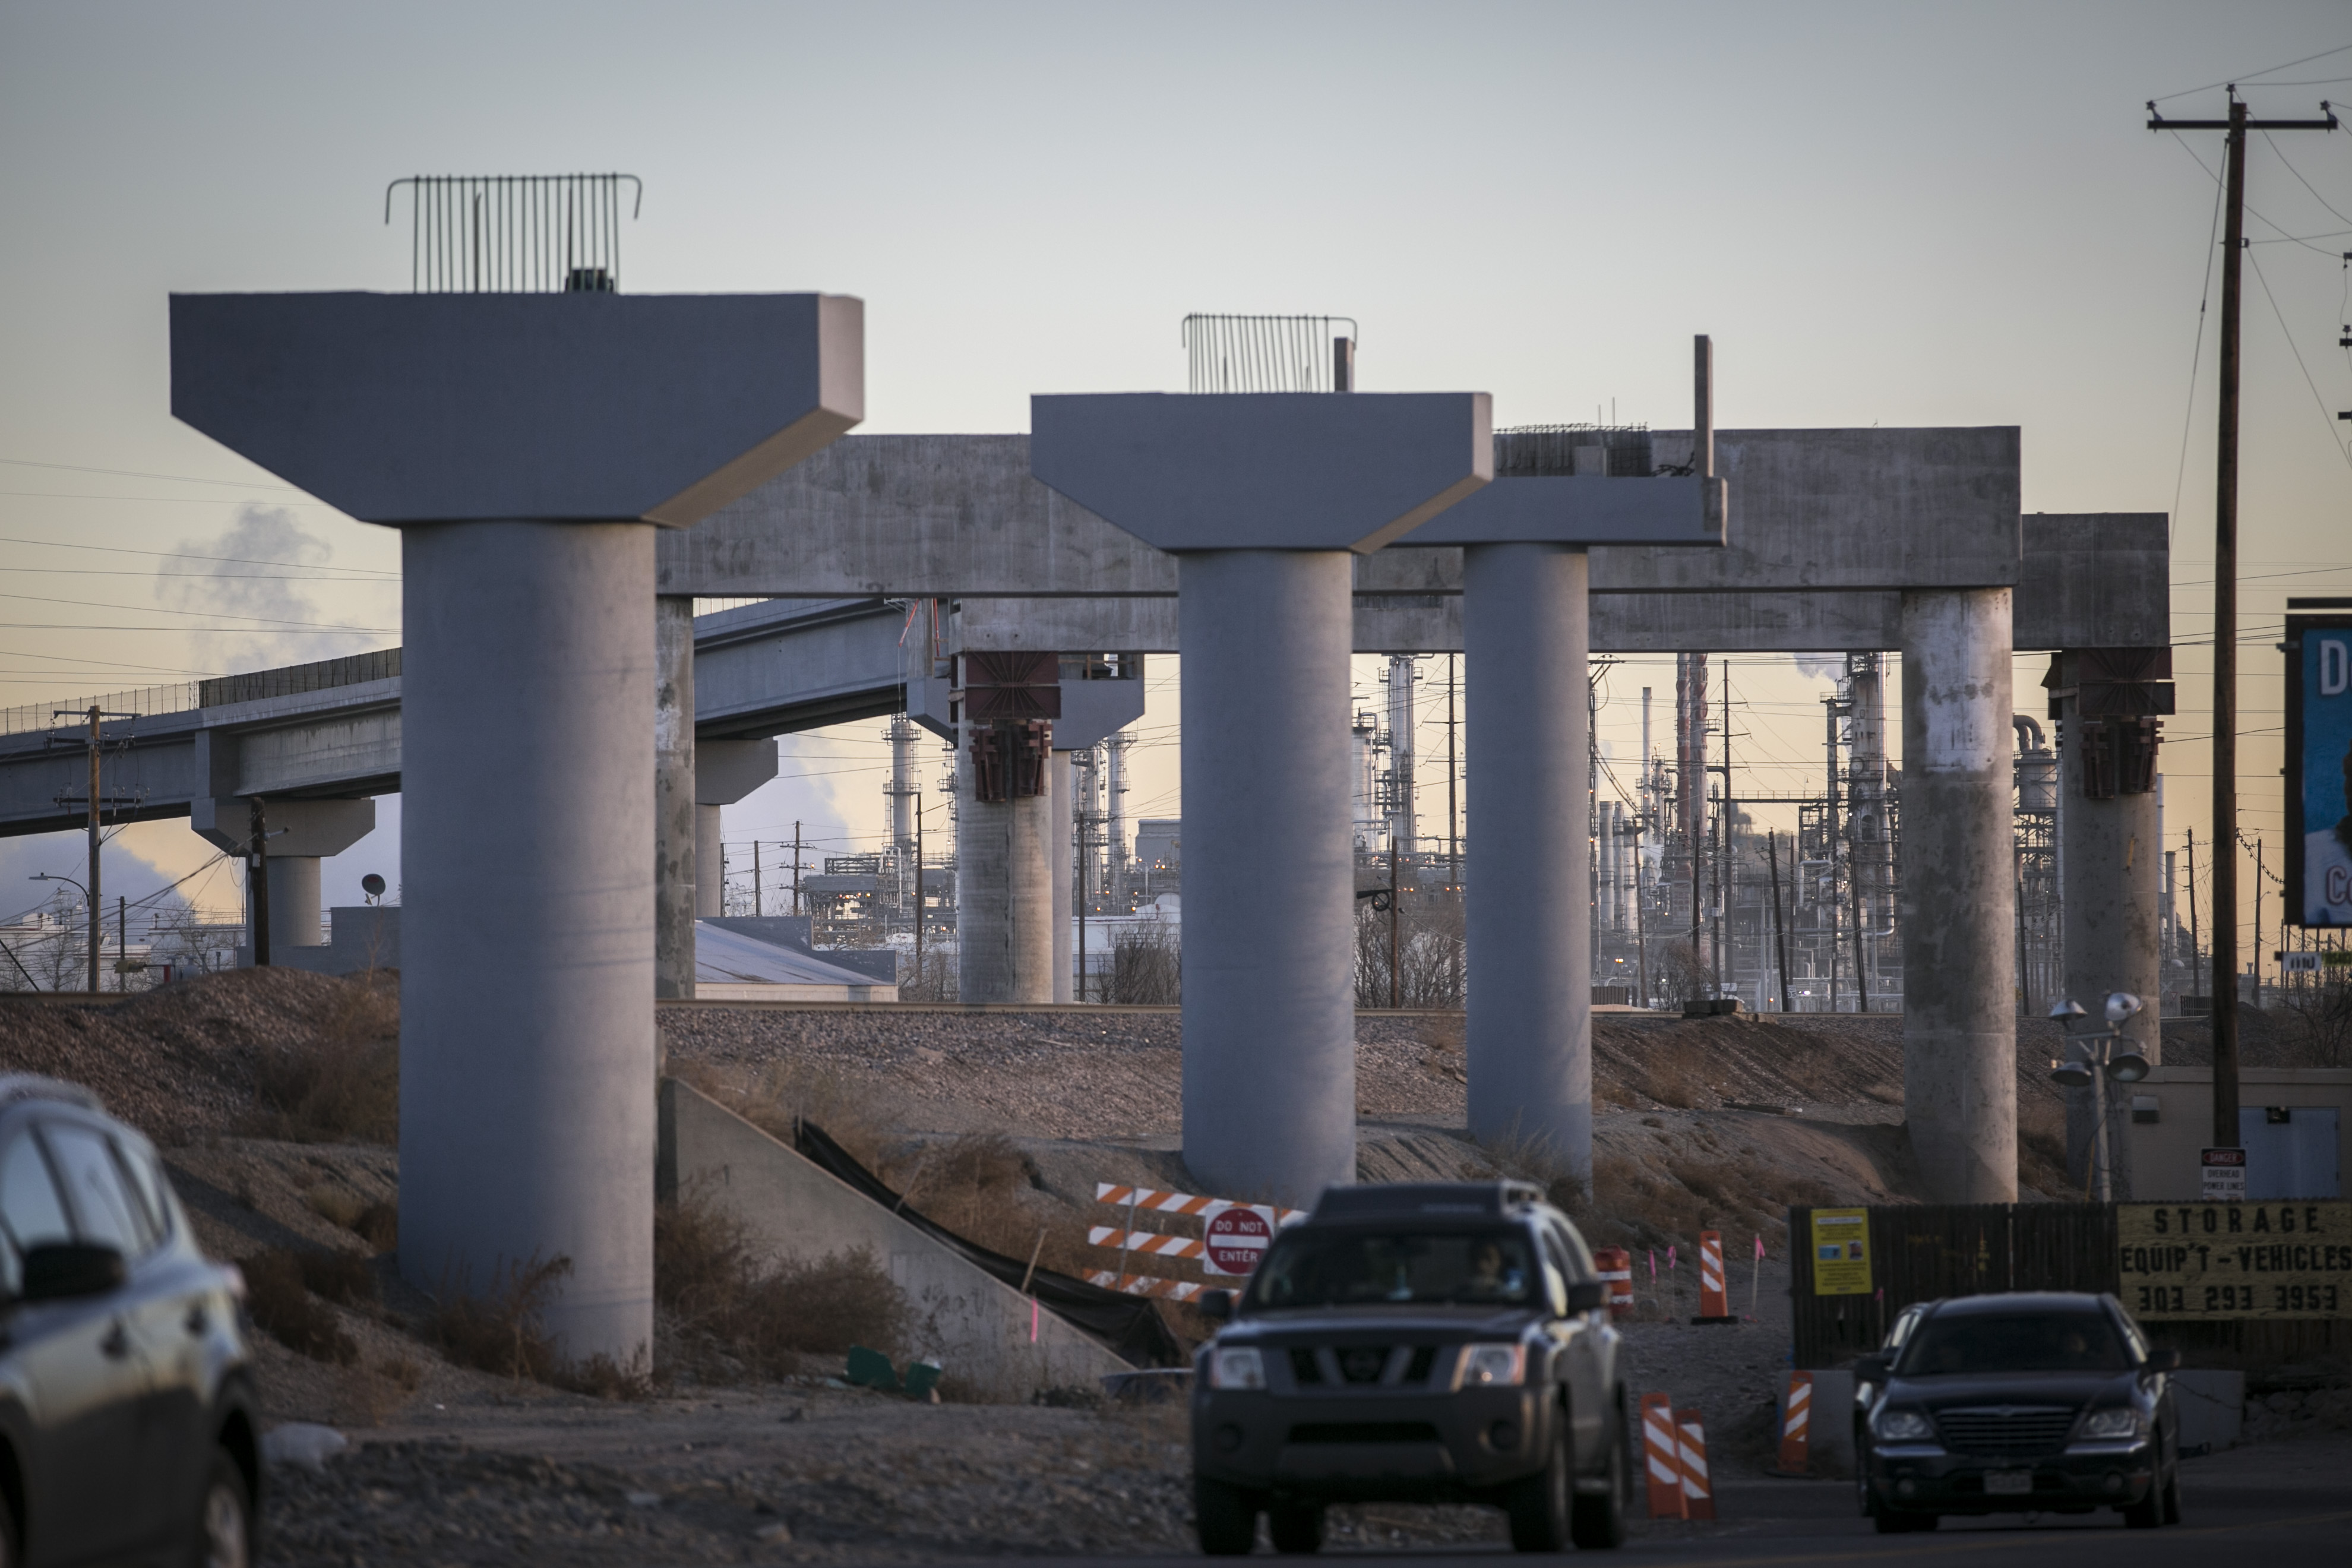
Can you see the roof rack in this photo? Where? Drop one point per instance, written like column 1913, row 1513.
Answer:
column 18, row 1087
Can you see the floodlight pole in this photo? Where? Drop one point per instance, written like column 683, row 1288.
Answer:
column 2225, row 601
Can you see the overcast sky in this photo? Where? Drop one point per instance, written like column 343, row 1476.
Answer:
column 1894, row 214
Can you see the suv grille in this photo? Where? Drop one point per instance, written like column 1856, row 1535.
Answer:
column 1998, row 1430
column 1303, row 1368
column 1365, row 1432
column 1360, row 1367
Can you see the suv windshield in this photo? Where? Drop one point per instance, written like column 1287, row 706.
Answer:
column 1950, row 1343
column 1344, row 1268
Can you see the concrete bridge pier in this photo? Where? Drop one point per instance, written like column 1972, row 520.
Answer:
column 2111, row 861
column 1062, row 869
column 528, row 761
column 725, row 772
column 302, row 833
column 1004, row 891
column 1527, row 634
column 1959, row 901
column 675, row 840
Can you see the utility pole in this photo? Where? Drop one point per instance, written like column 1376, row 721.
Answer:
column 2257, row 965
column 2225, row 597
column 2194, row 944
column 95, row 906
column 1780, row 931
column 1081, row 816
column 796, row 868
column 257, row 886
column 1830, row 847
column 919, row 885
column 122, row 943
column 756, row 910
column 1724, row 872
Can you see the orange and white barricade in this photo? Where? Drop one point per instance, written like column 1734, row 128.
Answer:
column 1615, row 1267
column 1146, row 1285
column 1713, row 1300
column 1662, row 1458
column 1698, row 1493
column 1796, row 1426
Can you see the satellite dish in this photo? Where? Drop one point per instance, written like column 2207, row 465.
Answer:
column 371, row 885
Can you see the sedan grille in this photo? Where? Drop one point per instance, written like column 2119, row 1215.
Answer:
column 1997, row 1430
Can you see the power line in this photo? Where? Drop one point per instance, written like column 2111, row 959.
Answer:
column 2280, row 317
column 137, row 474
column 184, row 555
column 2248, row 76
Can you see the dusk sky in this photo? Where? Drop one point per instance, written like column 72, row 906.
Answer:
column 1884, row 215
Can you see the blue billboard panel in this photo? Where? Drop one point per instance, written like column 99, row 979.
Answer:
column 2319, row 768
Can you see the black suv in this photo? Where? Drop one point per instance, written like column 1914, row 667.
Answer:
column 1414, row 1342
column 2046, row 1402
column 127, row 1421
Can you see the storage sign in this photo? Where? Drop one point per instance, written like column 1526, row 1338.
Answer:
column 1841, row 1252
column 2235, row 1260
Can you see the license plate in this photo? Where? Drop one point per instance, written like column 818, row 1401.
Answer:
column 2008, row 1483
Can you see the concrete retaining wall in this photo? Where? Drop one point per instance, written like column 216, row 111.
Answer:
column 976, row 1327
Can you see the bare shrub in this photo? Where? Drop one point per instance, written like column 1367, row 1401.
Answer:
column 1541, row 1162
column 499, row 1330
column 281, row 1304
column 378, row 1224
column 738, row 1312
column 1147, row 965
column 1680, row 974
column 1431, row 956
column 342, row 1087
column 985, row 1189
column 2324, row 1014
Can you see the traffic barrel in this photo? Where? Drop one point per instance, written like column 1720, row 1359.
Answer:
column 1662, row 1458
column 1698, row 1494
column 1796, row 1426
column 1615, row 1266
column 1713, row 1300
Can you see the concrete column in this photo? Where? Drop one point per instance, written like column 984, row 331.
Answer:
column 1958, row 896
column 675, row 862
column 1061, row 865
column 710, row 892
column 1004, row 895
column 2111, row 893
column 527, row 860
column 1269, row 995
column 1526, row 636
column 294, row 917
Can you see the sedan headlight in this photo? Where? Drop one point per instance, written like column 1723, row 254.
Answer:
column 2110, row 1425
column 1240, row 1367
column 1903, row 1426
column 1493, row 1366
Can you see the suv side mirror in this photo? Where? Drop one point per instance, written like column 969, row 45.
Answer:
column 1217, row 1306
column 1588, row 1296
column 1874, row 1368
column 61, row 1271
column 2161, row 1361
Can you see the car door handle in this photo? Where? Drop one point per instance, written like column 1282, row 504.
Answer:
column 116, row 1344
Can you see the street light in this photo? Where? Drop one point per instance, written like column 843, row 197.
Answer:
column 68, row 881
column 2109, row 1054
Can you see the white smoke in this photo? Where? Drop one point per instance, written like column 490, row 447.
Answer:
column 1820, row 665
column 255, row 570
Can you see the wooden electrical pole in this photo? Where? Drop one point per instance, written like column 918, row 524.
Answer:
column 796, row 868
column 1396, row 898
column 97, row 908
column 256, row 871
column 2225, row 597
column 1780, row 931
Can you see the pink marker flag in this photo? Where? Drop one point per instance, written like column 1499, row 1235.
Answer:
column 1654, row 1265
column 1670, row 1259
column 1759, row 1250
column 1033, row 1320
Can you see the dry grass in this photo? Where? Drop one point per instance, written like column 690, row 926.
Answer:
column 498, row 1332
column 734, row 1312
column 282, row 1305
column 341, row 1086
column 376, row 1223
column 777, row 1099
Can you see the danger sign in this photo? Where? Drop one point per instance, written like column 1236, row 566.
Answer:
column 1234, row 1240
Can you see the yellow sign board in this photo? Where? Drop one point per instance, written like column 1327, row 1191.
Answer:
column 2235, row 1260
column 1841, row 1252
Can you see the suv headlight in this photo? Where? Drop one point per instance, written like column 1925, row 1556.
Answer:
column 1240, row 1367
column 1903, row 1427
column 2110, row 1425
column 1493, row 1366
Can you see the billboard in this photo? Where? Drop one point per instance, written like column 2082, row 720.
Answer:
column 2319, row 765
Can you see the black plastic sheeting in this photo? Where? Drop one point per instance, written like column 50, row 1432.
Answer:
column 1130, row 1325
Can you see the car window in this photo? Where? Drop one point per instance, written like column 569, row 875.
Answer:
column 101, row 1210
column 1957, row 1342
column 1310, row 1267
column 29, row 1205
column 145, row 1186
column 1579, row 1257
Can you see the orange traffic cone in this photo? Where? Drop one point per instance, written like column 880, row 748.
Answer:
column 1698, row 1494
column 1714, row 1300
column 1662, row 1457
column 1796, row 1426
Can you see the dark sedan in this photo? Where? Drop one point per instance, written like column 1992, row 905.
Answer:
column 2049, row 1403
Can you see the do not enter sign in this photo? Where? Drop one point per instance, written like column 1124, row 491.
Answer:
column 1235, row 1240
